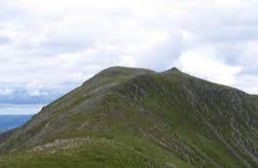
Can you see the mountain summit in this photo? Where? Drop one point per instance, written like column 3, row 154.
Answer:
column 126, row 117
column 174, row 69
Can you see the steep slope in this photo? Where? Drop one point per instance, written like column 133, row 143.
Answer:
column 125, row 117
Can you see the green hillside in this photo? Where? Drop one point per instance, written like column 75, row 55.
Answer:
column 125, row 117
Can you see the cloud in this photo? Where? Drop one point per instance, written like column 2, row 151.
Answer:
column 248, row 82
column 47, row 47
column 6, row 91
column 204, row 63
column 4, row 40
column 10, row 109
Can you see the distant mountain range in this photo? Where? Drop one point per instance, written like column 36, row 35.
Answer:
column 125, row 117
column 8, row 122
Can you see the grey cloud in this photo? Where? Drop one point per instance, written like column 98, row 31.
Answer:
column 4, row 40
column 60, row 46
column 163, row 55
column 20, row 95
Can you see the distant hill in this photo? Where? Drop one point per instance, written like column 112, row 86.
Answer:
column 125, row 117
column 8, row 122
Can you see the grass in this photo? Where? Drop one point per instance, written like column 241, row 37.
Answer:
column 126, row 151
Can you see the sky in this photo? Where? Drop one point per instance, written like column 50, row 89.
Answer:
column 48, row 47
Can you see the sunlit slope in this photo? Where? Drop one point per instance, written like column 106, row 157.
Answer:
column 125, row 117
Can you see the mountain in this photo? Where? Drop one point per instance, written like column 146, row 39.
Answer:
column 8, row 122
column 125, row 117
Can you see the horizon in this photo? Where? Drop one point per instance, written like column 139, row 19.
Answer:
column 48, row 49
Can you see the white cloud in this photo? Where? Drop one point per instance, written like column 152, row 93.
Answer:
column 250, row 55
column 6, row 91
column 205, row 63
column 248, row 82
column 11, row 109
column 38, row 93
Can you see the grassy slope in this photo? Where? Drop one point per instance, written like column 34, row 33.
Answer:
column 97, row 152
column 138, row 118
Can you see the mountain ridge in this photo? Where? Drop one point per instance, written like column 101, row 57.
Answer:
column 195, row 122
